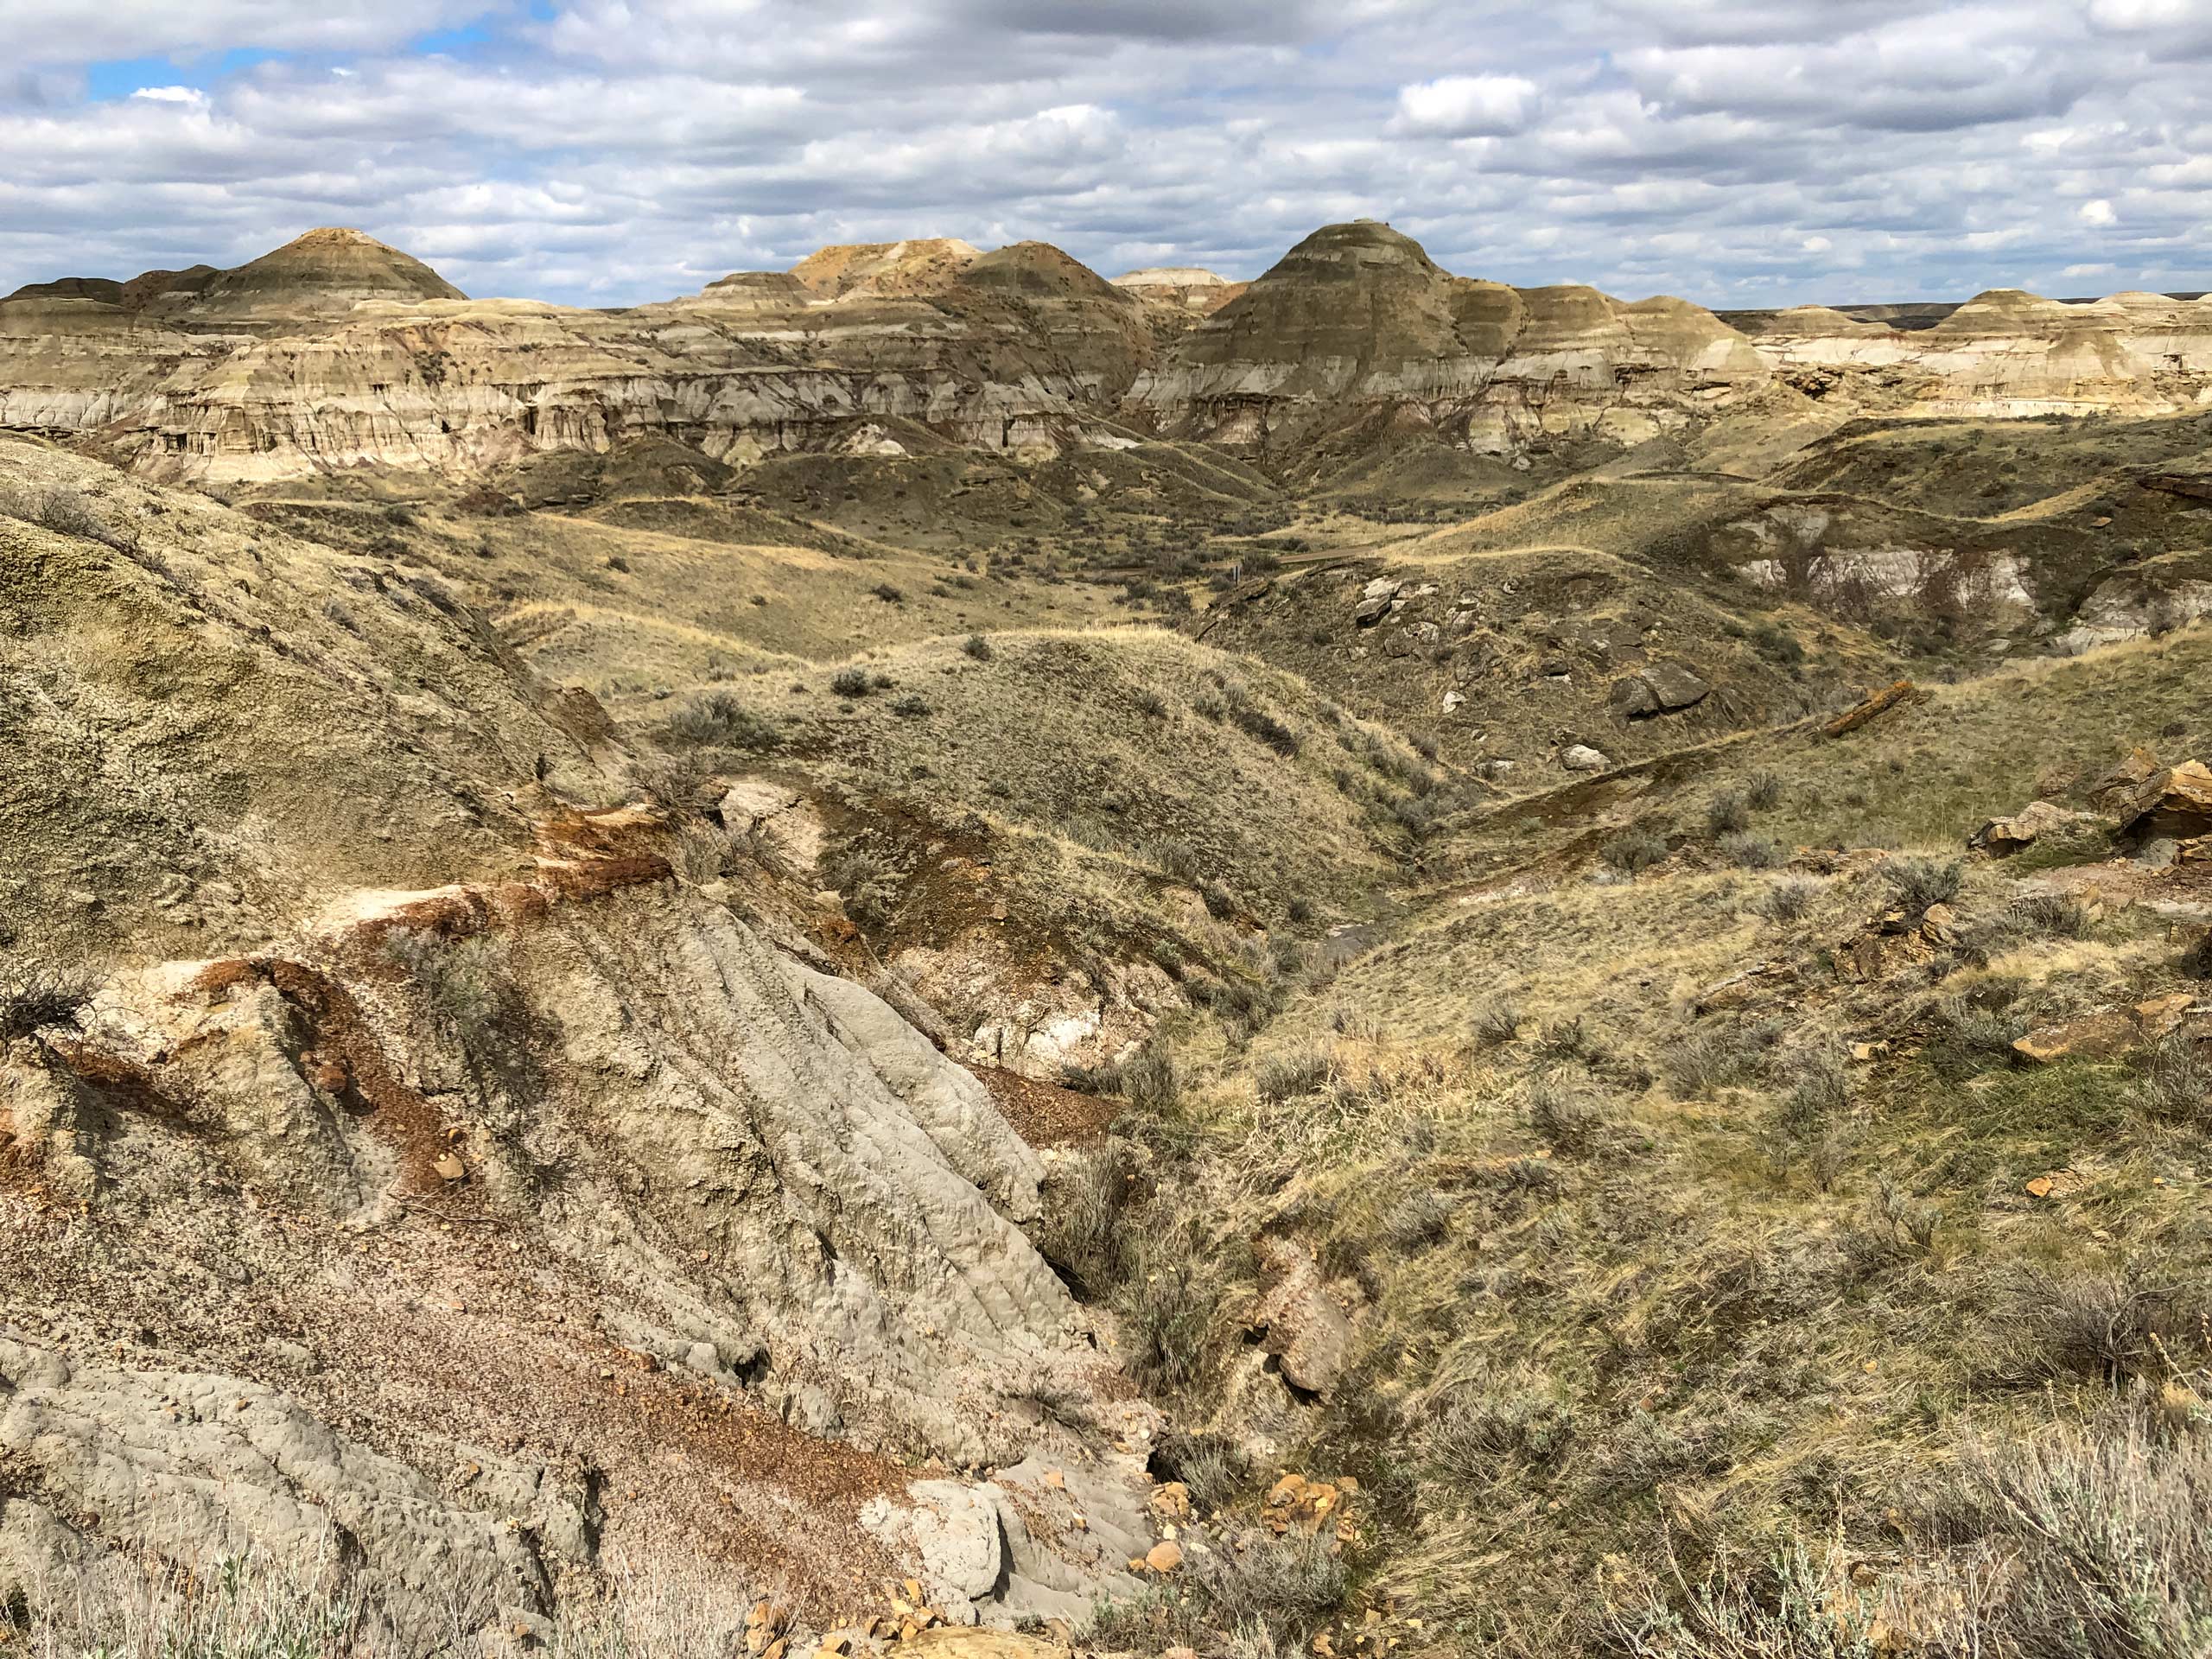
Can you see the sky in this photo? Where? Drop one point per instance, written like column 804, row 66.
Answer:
column 604, row 152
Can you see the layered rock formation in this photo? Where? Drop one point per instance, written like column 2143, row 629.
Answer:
column 1360, row 313
column 2007, row 354
column 336, row 351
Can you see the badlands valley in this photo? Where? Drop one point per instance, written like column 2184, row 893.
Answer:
column 931, row 952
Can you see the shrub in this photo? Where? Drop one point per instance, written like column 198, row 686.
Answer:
column 2102, row 1532
column 1805, row 1122
column 912, row 706
column 1150, row 703
column 2069, row 1322
column 2195, row 962
column 1211, row 1467
column 888, row 593
column 1177, row 858
column 33, row 994
column 1787, row 899
column 1753, row 852
column 978, row 647
column 871, row 885
column 1174, row 1315
column 1257, row 722
column 1416, row 1220
column 1920, row 882
column 1285, row 1586
column 67, row 512
column 1766, row 792
column 1082, row 1231
column 1633, row 850
column 852, row 683
column 1476, row 1435
column 1151, row 1079
column 2050, row 914
column 1565, row 1115
column 1706, row 1061
column 720, row 721
column 1727, row 813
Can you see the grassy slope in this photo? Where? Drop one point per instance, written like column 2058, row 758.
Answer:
column 1635, row 1278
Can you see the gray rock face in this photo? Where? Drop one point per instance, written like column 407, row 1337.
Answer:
column 769, row 1184
column 1662, row 687
column 195, row 1468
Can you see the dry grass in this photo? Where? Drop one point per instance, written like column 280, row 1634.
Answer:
column 261, row 1606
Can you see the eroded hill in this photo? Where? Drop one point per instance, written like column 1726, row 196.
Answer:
column 1369, row 964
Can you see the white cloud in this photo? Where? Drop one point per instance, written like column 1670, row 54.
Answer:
column 614, row 150
column 1461, row 106
column 81, row 31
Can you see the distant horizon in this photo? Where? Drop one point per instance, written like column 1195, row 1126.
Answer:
column 1111, row 276
column 1754, row 154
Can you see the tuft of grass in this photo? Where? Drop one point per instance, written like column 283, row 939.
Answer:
column 1497, row 1024
column 1291, row 1073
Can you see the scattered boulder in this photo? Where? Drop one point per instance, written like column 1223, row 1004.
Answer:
column 1580, row 757
column 1306, row 1331
column 2174, row 804
column 2002, row 837
column 1376, row 602
column 2105, row 1035
column 2113, row 791
column 1661, row 688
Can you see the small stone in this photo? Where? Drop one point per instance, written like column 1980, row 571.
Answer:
column 1580, row 757
column 1164, row 1557
column 450, row 1168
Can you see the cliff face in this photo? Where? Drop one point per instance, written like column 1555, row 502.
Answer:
column 336, row 351
column 2007, row 354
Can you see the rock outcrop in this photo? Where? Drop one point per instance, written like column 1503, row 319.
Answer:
column 429, row 1171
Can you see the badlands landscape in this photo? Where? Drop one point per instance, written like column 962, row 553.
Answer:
column 931, row 952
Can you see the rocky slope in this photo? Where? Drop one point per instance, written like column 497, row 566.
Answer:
column 402, row 1160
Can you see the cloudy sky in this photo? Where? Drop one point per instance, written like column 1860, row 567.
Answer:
column 1737, row 152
